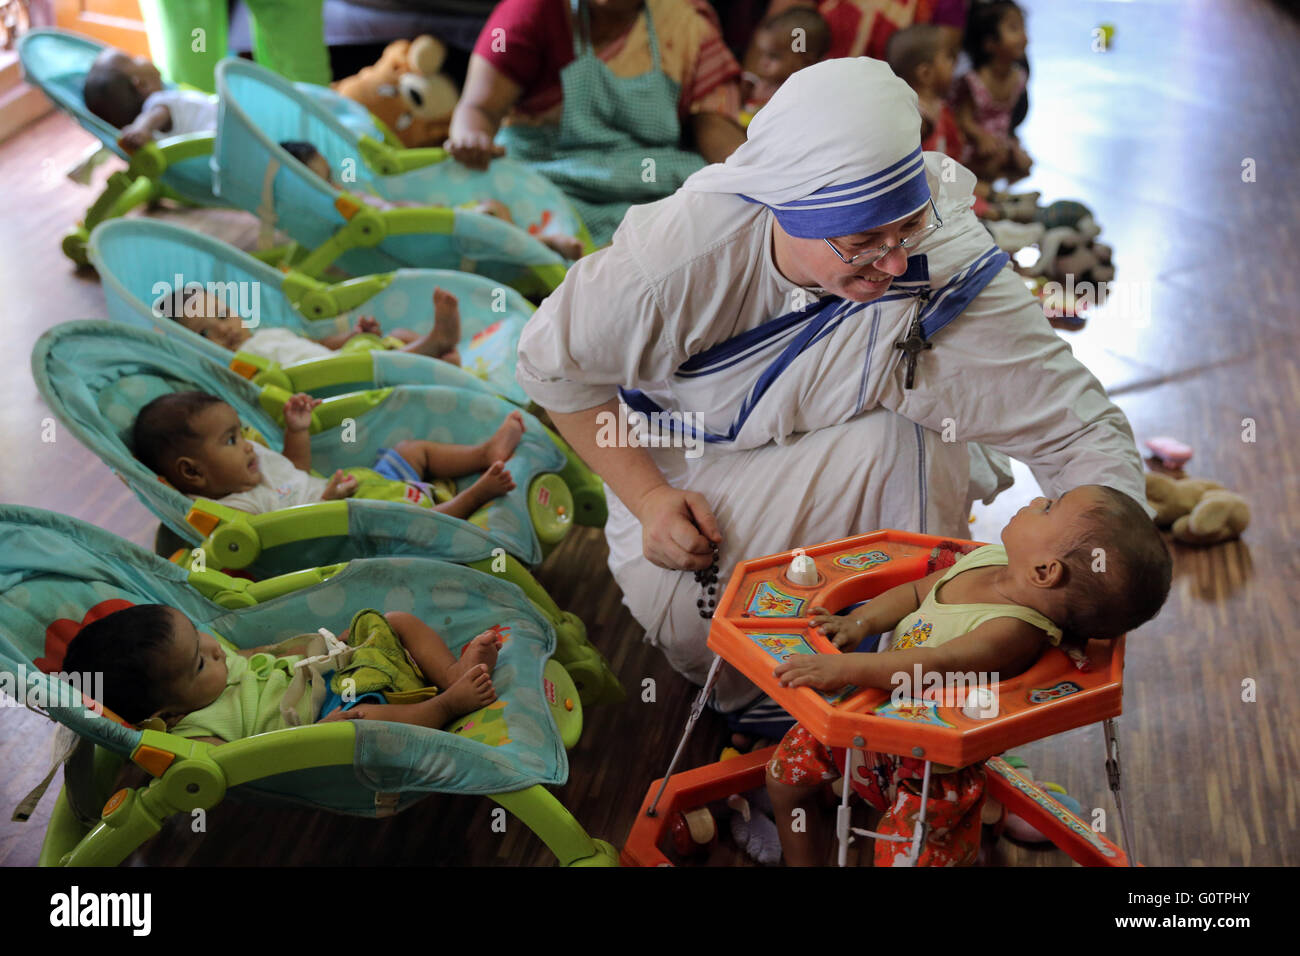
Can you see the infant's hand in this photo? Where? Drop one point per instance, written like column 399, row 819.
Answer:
column 369, row 325
column 846, row 633
column 132, row 138
column 297, row 412
column 822, row 671
column 340, row 486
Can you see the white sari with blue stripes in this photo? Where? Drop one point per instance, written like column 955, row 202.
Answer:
column 809, row 432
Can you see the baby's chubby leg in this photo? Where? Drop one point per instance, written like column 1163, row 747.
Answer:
column 438, row 460
column 473, row 690
column 431, row 654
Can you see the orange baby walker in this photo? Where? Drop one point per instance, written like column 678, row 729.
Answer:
column 762, row 618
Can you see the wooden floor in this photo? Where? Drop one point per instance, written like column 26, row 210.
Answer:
column 1153, row 135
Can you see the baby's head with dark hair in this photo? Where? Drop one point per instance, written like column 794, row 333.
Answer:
column 989, row 26
column 309, row 156
column 153, row 662
column 911, row 48
column 1119, row 568
column 129, row 648
column 1094, row 557
column 195, row 441
column 815, row 39
column 117, row 85
column 787, row 42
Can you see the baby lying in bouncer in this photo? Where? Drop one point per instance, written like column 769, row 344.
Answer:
column 156, row 665
column 196, row 442
column 204, row 313
column 1089, row 565
column 307, row 154
column 127, row 92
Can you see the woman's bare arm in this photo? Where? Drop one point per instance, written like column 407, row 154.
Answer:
column 486, row 100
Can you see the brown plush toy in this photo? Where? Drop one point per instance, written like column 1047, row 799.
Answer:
column 406, row 91
column 1197, row 510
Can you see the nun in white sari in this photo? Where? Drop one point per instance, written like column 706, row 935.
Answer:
column 838, row 341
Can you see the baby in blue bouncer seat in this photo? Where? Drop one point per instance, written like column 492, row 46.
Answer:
column 157, row 665
column 307, row 154
column 205, row 314
column 196, row 442
column 127, row 92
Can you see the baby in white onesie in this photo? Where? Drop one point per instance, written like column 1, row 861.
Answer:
column 128, row 93
column 204, row 313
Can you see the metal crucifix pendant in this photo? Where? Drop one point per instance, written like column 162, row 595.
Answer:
column 913, row 346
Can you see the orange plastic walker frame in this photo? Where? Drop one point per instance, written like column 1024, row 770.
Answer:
column 760, row 603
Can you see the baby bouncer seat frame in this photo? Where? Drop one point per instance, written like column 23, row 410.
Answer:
column 57, row 574
column 761, row 619
column 174, row 167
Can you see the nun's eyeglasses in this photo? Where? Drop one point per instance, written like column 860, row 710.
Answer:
column 910, row 241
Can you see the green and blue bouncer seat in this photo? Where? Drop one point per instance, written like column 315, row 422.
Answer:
column 58, row 574
column 332, row 223
column 139, row 259
column 177, row 167
column 96, row 376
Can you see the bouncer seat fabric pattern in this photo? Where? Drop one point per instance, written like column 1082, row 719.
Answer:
column 259, row 110
column 96, row 376
column 57, row 573
column 141, row 259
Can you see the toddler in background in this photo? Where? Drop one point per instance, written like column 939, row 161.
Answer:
column 205, row 314
column 987, row 95
column 993, row 612
column 157, row 665
column 783, row 44
column 567, row 246
column 196, row 442
column 920, row 56
column 127, row 92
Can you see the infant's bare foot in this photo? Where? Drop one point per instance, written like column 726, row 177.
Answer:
column 567, row 246
column 506, row 439
column 481, row 650
column 469, row 692
column 493, row 483
column 446, row 326
column 451, row 358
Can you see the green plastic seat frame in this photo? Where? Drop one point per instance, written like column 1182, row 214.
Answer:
column 56, row 573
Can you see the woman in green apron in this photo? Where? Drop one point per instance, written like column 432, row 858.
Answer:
column 607, row 137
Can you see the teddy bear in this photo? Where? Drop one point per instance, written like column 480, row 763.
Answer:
column 406, row 92
column 1197, row 510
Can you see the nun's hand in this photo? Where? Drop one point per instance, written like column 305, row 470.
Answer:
column 678, row 529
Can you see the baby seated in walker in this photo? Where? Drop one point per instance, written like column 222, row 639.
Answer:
column 157, row 665
column 307, row 154
column 1090, row 565
column 196, row 442
column 127, row 92
column 204, row 314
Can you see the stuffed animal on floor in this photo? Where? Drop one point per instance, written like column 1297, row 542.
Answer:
column 1197, row 510
column 1068, row 252
column 752, row 826
column 406, row 92
column 1067, row 212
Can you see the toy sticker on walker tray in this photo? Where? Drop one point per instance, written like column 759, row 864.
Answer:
column 860, row 560
column 770, row 601
column 784, row 646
